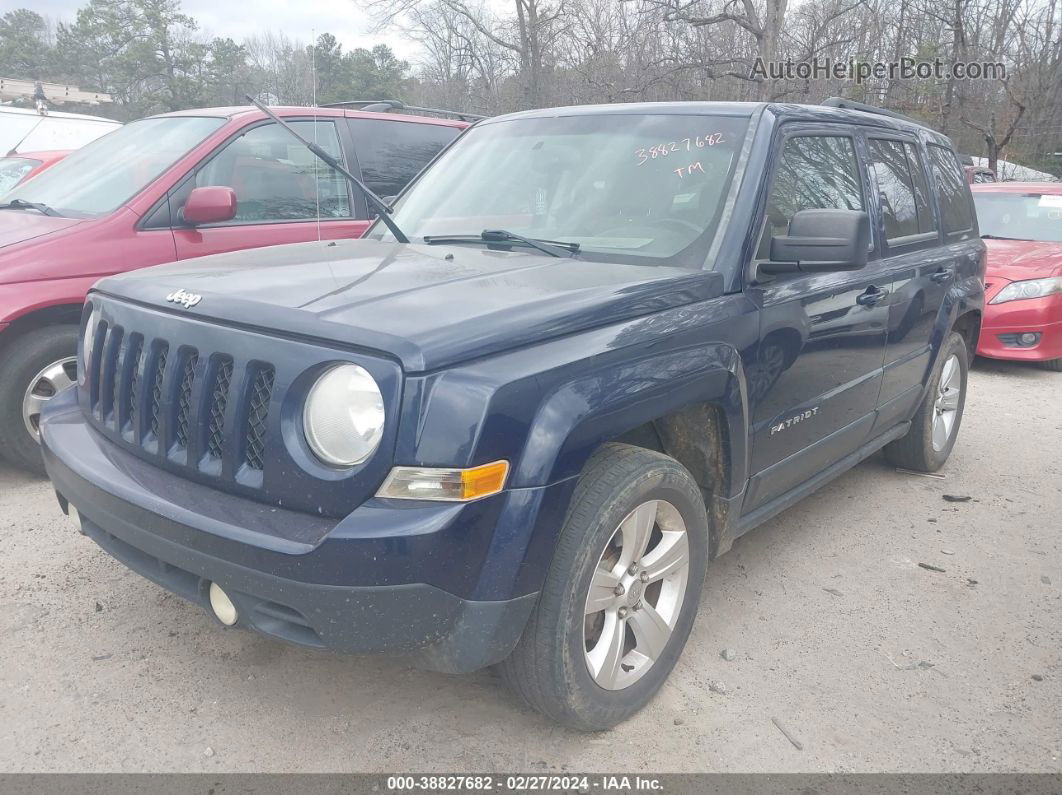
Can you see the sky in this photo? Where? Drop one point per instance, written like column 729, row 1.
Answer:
column 298, row 19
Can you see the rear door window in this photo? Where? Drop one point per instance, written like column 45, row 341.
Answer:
column 391, row 153
column 276, row 178
column 902, row 188
column 952, row 198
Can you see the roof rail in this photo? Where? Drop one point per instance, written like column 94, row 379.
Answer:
column 388, row 105
column 851, row 104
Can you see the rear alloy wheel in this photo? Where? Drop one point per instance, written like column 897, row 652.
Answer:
column 621, row 595
column 935, row 425
column 946, row 407
column 34, row 368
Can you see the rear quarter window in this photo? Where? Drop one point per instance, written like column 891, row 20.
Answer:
column 952, row 197
column 391, row 153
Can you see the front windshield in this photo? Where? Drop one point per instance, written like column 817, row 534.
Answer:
column 103, row 175
column 1020, row 216
column 633, row 188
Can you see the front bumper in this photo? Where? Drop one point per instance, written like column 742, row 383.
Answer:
column 294, row 586
column 1003, row 323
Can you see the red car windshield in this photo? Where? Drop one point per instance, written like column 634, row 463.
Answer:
column 13, row 169
column 102, row 176
column 1020, row 216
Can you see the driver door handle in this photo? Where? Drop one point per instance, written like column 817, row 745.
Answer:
column 872, row 297
column 942, row 275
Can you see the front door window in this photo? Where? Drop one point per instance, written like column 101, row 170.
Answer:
column 276, row 178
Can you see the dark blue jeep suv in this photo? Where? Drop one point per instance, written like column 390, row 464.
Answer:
column 618, row 338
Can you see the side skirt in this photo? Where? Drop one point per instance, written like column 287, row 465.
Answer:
column 780, row 503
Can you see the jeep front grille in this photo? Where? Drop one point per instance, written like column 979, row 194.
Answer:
column 158, row 369
column 184, row 398
column 137, row 361
column 219, row 397
column 203, row 409
column 256, row 418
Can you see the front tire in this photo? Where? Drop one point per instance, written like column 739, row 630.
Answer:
column 935, row 426
column 33, row 369
column 621, row 594
column 1052, row 364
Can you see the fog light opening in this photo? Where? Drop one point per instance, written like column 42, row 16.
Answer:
column 1028, row 338
column 222, row 606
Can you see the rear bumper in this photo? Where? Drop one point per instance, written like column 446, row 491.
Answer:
column 300, row 601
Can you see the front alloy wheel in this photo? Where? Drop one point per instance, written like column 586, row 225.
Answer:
column 621, row 594
column 45, row 385
column 636, row 594
column 35, row 366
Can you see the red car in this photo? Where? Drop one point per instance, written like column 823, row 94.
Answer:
column 1021, row 223
column 15, row 169
column 172, row 187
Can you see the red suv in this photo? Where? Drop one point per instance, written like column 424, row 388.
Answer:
column 172, row 187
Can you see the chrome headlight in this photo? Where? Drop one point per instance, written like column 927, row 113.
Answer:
column 344, row 416
column 1031, row 288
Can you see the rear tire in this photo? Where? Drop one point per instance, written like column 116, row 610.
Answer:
column 932, row 435
column 591, row 586
column 30, row 369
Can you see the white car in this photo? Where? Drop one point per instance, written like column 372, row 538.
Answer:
column 27, row 130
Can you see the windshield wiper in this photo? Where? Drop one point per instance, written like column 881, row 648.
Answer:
column 22, row 204
column 1000, row 237
column 555, row 248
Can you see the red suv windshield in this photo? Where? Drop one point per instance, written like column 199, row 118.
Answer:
column 100, row 177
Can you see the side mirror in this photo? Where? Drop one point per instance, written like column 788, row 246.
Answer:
column 821, row 241
column 210, row 205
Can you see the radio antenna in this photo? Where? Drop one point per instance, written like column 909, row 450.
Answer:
column 316, row 177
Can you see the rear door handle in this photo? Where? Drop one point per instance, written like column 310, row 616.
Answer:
column 943, row 275
column 872, row 296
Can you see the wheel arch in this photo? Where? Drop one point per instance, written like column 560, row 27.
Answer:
column 698, row 437
column 661, row 402
column 968, row 324
column 55, row 315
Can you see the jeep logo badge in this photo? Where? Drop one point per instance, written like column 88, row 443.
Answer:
column 187, row 300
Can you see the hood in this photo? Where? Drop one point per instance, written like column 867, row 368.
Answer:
column 1016, row 260
column 18, row 226
column 428, row 306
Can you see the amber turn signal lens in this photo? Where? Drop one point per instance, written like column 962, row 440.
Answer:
column 484, row 480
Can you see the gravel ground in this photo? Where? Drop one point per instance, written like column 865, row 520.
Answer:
column 869, row 661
